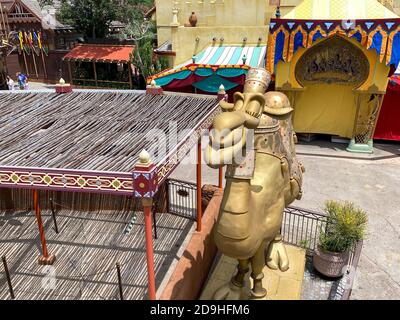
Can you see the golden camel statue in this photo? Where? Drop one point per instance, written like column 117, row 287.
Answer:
column 263, row 177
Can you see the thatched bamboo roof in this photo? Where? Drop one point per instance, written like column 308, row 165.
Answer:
column 100, row 131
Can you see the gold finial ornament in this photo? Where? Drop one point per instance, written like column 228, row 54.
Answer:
column 144, row 157
column 277, row 103
column 257, row 81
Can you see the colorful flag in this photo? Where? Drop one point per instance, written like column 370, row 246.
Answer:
column 30, row 38
column 21, row 40
column 35, row 39
column 39, row 40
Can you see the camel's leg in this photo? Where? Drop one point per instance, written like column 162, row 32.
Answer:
column 234, row 289
column 243, row 268
column 257, row 265
column 277, row 256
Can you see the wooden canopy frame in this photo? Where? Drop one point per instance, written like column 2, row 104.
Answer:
column 33, row 126
column 97, row 53
column 96, row 80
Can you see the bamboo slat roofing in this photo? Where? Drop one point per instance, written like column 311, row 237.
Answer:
column 92, row 239
column 97, row 130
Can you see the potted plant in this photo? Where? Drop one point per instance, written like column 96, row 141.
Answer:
column 346, row 225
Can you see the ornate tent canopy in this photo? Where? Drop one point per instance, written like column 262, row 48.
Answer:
column 369, row 22
column 340, row 9
column 227, row 65
column 91, row 140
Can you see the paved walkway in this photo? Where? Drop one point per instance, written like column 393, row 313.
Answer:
column 370, row 181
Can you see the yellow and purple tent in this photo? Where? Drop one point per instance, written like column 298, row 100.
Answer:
column 369, row 22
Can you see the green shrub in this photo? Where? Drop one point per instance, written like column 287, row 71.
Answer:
column 346, row 225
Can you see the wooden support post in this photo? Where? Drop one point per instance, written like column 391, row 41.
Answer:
column 4, row 27
column 130, row 76
column 34, row 64
column 198, row 183
column 44, row 64
column 26, row 63
column 8, row 277
column 221, row 177
column 147, row 206
column 121, row 293
column 95, row 74
column 45, row 259
column 70, row 72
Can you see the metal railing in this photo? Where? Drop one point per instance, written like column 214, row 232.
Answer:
column 181, row 198
column 302, row 227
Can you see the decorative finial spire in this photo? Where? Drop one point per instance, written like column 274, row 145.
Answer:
column 222, row 93
column 278, row 12
column 144, row 157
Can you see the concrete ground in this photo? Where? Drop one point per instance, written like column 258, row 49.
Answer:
column 371, row 182
column 36, row 85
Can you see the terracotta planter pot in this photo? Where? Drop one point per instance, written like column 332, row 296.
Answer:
column 330, row 264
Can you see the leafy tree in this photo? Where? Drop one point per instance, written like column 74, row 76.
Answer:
column 43, row 3
column 93, row 17
column 143, row 33
column 133, row 9
column 90, row 17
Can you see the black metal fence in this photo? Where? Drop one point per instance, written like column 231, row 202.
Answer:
column 302, row 227
column 181, row 198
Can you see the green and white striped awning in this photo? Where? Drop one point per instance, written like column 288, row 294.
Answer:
column 230, row 59
column 253, row 56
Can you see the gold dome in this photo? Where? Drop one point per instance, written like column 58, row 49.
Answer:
column 277, row 103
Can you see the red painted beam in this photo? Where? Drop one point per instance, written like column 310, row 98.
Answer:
column 45, row 258
column 147, row 207
column 221, row 177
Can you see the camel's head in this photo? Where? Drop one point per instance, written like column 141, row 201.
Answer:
column 231, row 128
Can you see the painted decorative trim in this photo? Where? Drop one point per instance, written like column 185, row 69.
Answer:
column 381, row 35
column 66, row 180
column 193, row 67
column 145, row 181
